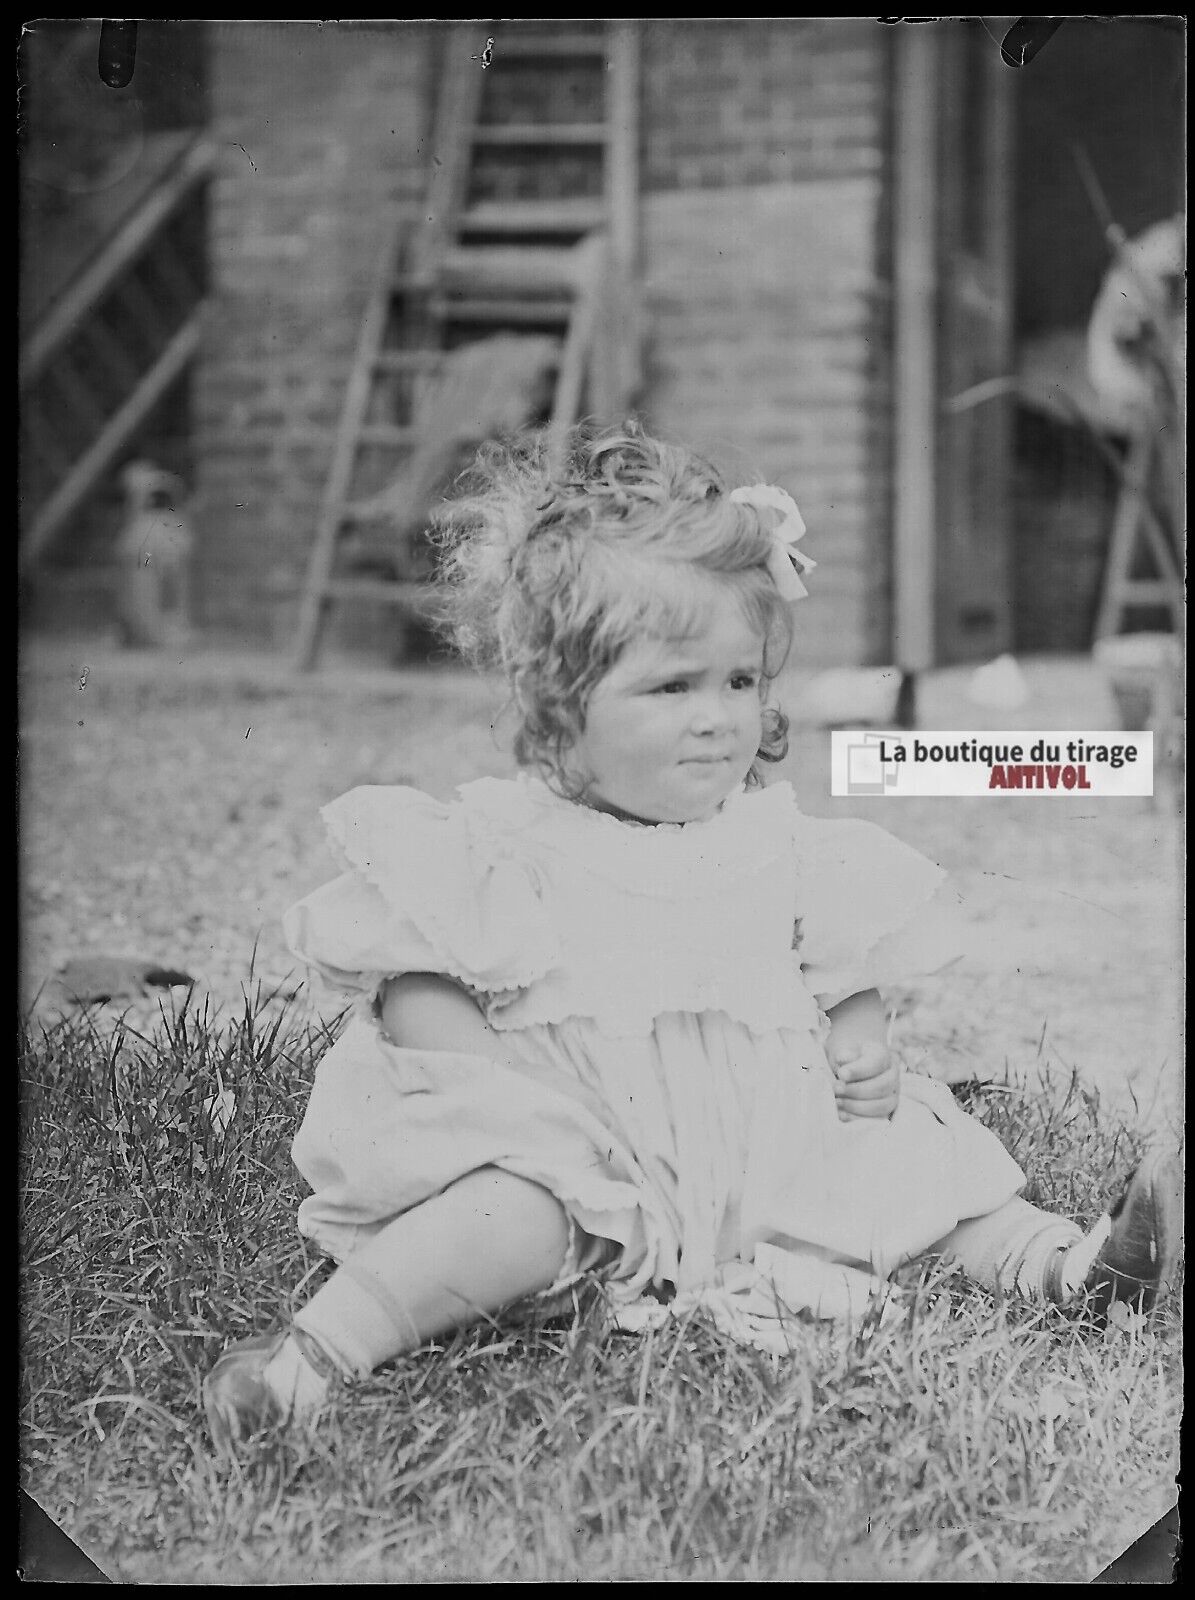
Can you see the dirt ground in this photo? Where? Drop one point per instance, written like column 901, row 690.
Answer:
column 169, row 811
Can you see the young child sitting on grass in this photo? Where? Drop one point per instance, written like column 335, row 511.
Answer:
column 620, row 1015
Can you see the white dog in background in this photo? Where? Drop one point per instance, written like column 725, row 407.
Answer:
column 155, row 548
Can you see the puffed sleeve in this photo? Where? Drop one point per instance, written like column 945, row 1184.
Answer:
column 871, row 909
column 422, row 892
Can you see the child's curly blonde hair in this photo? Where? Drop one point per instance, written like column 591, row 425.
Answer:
column 552, row 562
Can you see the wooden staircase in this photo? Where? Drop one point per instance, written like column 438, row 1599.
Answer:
column 511, row 303
column 109, row 346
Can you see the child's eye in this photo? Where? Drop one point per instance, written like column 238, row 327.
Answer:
column 744, row 680
column 673, row 686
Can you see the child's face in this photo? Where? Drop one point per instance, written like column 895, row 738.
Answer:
column 674, row 726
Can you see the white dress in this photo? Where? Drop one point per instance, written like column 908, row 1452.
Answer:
column 664, row 988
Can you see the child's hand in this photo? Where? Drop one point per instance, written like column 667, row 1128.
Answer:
column 866, row 1081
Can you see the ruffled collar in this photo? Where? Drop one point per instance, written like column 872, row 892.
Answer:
column 523, row 816
column 541, row 794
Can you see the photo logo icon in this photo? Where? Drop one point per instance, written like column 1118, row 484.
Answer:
column 866, row 772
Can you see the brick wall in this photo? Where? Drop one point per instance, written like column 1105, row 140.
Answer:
column 760, row 101
column 762, row 169
column 760, row 306
column 319, row 131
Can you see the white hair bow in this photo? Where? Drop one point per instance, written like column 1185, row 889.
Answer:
column 785, row 562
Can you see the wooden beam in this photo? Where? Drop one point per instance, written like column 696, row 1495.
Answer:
column 534, row 270
column 344, row 451
column 622, row 155
column 456, row 116
column 533, row 216
column 549, row 133
column 915, row 398
column 593, row 256
column 502, row 311
column 113, row 260
column 96, row 460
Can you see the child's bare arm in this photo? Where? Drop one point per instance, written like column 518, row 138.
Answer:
column 867, row 1079
column 424, row 1011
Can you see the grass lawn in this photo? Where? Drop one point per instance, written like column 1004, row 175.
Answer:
column 971, row 1440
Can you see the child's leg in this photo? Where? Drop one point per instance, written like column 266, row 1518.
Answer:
column 1130, row 1254
column 1012, row 1250
column 487, row 1240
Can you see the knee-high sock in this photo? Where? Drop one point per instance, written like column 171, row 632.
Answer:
column 1012, row 1249
column 358, row 1320
column 489, row 1239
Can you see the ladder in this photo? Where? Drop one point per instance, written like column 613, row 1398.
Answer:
column 510, row 304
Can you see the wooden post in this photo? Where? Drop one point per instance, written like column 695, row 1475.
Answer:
column 622, row 331
column 456, row 115
column 591, row 261
column 622, row 154
column 336, row 489
column 915, row 398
